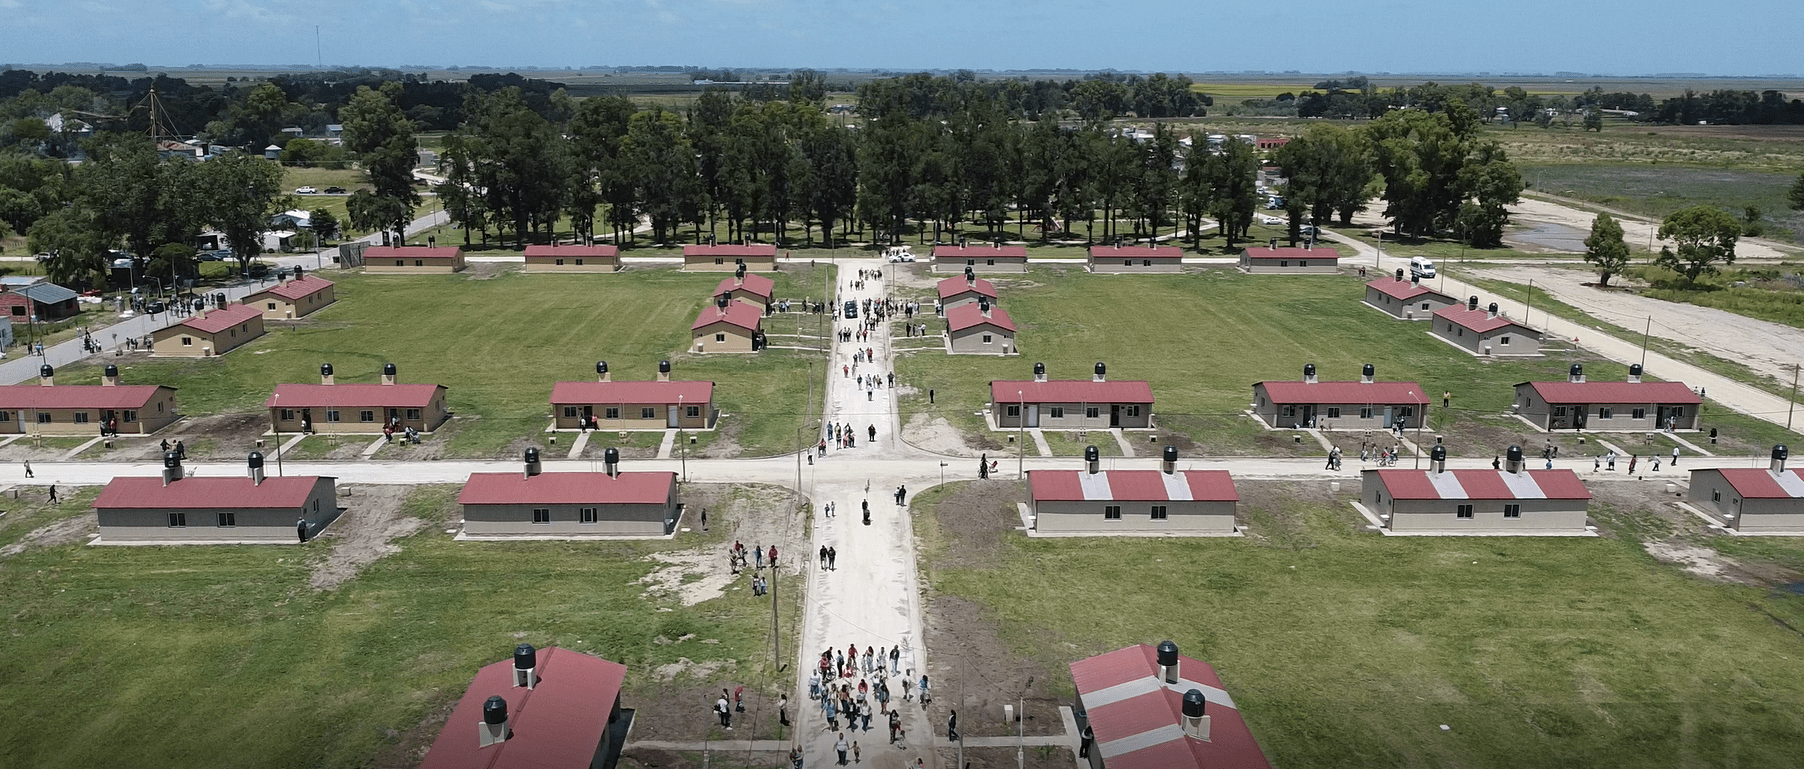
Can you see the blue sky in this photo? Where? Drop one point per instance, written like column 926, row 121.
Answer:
column 1730, row 37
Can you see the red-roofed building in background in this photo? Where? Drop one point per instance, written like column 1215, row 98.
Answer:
column 1406, row 299
column 1362, row 405
column 1766, row 500
column 48, row 408
column 208, row 332
column 965, row 290
column 561, row 709
column 292, row 299
column 1485, row 333
column 412, row 260
column 610, row 405
column 1147, row 708
column 1511, row 500
column 535, row 504
column 1071, row 404
column 757, row 257
column 736, row 327
column 572, row 258
column 979, row 329
column 980, row 258
column 1576, row 404
column 1135, row 259
column 1306, row 259
column 755, row 290
column 365, row 409
column 1132, row 501
column 198, row 510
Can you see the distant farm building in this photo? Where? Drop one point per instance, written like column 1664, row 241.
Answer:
column 980, row 258
column 757, row 257
column 1307, row 259
column 208, row 332
column 413, row 260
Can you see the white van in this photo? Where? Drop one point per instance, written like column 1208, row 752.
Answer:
column 1421, row 267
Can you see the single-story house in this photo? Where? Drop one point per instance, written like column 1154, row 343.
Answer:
column 1131, row 259
column 1576, row 404
column 1291, row 259
column 1485, row 332
column 755, row 290
column 412, row 260
column 295, row 219
column 1751, row 499
column 1071, row 404
column 1365, row 404
column 356, row 408
column 1147, row 708
column 547, row 707
column 1119, row 501
column 532, row 503
column 40, row 302
column 980, row 258
column 728, row 326
column 292, row 299
column 965, row 290
column 211, row 509
column 757, row 257
column 208, row 332
column 1511, row 500
column 1406, row 299
column 572, row 258
column 48, row 408
column 979, row 329
column 608, row 405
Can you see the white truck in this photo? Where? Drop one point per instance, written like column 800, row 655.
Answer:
column 1421, row 267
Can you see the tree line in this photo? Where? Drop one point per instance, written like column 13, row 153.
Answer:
column 1359, row 99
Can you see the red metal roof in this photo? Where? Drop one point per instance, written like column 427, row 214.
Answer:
column 557, row 723
column 16, row 397
column 1480, row 321
column 222, row 318
column 579, row 251
column 757, row 284
column 1292, row 252
column 1342, row 393
column 980, row 252
column 1131, row 485
column 1614, row 392
column 1403, row 289
column 206, row 493
column 647, row 488
column 1483, row 484
column 737, row 313
column 411, row 252
column 952, row 287
column 1005, row 391
column 969, row 316
column 308, row 396
column 295, row 289
column 1136, row 252
column 1755, row 483
column 580, row 393
column 1138, row 725
column 731, row 250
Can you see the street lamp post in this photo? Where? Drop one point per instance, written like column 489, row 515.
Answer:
column 278, row 428
column 680, row 441
column 1021, row 437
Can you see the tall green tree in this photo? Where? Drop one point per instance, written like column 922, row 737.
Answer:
column 1489, row 183
column 381, row 137
column 325, row 225
column 660, row 161
column 521, row 162
column 1703, row 237
column 1795, row 196
column 1233, row 178
column 1605, row 249
column 598, row 131
column 76, row 245
column 243, row 191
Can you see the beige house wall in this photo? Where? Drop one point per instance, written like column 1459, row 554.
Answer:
column 572, row 264
column 970, row 341
column 280, row 308
column 1419, row 308
column 350, row 418
column 157, row 413
column 169, row 341
column 1503, row 342
column 1133, row 415
column 1325, row 266
column 412, row 266
column 1538, row 515
column 731, row 338
column 980, row 264
column 569, row 416
column 274, row 525
column 1189, row 516
column 1125, row 266
column 612, row 519
column 706, row 263
column 1622, row 415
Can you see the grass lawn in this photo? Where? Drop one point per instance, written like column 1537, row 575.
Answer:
column 499, row 344
column 1771, row 294
column 1346, row 649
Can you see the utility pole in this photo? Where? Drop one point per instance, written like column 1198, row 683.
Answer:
column 1644, row 333
column 1528, row 302
column 1790, row 403
column 776, row 630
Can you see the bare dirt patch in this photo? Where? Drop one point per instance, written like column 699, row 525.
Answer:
column 936, row 435
column 66, row 531
column 364, row 533
column 1038, row 757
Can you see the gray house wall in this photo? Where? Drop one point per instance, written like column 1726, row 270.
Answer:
column 1711, row 491
column 1420, row 308
column 1109, row 265
column 970, row 341
column 1188, row 516
column 1335, row 416
column 273, row 525
column 1133, row 415
column 1622, row 415
column 1507, row 341
column 647, row 520
column 1549, row 515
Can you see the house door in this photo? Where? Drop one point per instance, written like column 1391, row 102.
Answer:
column 588, row 412
column 1306, row 415
column 671, row 421
column 1390, row 419
column 1579, row 413
column 306, row 420
column 1033, row 415
column 1114, row 415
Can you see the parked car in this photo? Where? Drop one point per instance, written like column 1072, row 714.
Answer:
column 305, row 191
column 1268, row 219
column 209, row 256
column 851, row 309
column 335, row 190
column 902, row 257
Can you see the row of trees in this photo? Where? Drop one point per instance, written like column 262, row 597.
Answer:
column 1358, row 98
column 1703, row 237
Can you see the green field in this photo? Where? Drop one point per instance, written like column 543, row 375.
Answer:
column 499, row 343
column 1343, row 648
column 1657, row 190
column 1767, row 294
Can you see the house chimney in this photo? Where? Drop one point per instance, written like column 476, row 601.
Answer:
column 388, row 373
column 256, row 467
column 46, row 375
column 1092, row 459
column 1471, row 303
column 1635, row 373
column 1576, row 374
column 663, row 371
column 983, row 305
column 1196, row 721
column 610, row 462
column 172, row 467
column 325, row 373
column 1039, row 372
column 1437, row 460
column 1309, row 373
column 1170, row 464
column 111, row 376
column 1780, row 454
column 1491, row 312
column 1366, row 373
column 526, row 666
column 1168, row 662
column 1512, row 460
column 601, row 372
column 1399, row 274
column 1101, row 372
column 532, row 462
column 493, row 728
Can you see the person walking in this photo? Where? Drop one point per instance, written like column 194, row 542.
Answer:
column 1633, row 459
column 53, row 499
column 772, row 556
column 783, row 709
column 1675, row 456
column 895, row 725
column 841, row 747
column 832, row 559
column 739, row 699
column 1610, row 461
column 855, row 757
column 895, row 658
column 721, row 709
column 28, row 472
column 831, row 706
column 952, row 726
column 823, row 556
column 758, row 555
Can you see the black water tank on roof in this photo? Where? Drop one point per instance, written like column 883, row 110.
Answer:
column 1472, row 303
column 1039, row 369
column 532, row 455
column 46, row 371
column 1101, row 369
column 1368, row 371
column 494, row 711
column 1576, row 370
column 1308, row 370
column 1195, row 703
column 1171, row 453
column 255, row 460
column 1634, row 369
column 1513, row 454
column 525, row 657
column 325, row 369
column 1780, row 452
column 172, row 459
column 1167, row 653
column 601, row 367
column 663, row 367
column 112, row 370
column 611, row 456
column 1492, row 309
column 388, row 369
column 1437, row 454
column 1091, row 454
